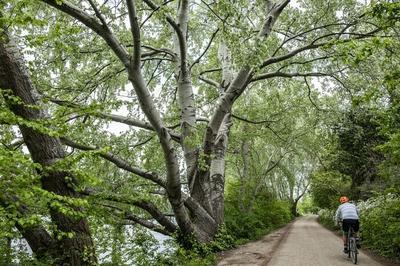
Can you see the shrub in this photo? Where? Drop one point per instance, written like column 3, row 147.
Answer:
column 326, row 217
column 380, row 221
column 265, row 215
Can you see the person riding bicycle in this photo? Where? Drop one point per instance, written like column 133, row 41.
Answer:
column 347, row 213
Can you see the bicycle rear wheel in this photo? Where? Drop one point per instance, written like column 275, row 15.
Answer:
column 348, row 243
column 353, row 249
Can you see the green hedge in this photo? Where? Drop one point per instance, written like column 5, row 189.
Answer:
column 380, row 223
column 326, row 217
column 264, row 217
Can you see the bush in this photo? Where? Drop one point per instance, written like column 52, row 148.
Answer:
column 266, row 215
column 380, row 221
column 326, row 217
column 185, row 257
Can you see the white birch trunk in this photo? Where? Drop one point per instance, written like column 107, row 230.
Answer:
column 185, row 92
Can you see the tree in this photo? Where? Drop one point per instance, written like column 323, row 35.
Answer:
column 45, row 150
column 367, row 118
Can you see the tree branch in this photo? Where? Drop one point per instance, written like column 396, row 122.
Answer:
column 98, row 14
column 135, row 29
column 134, row 218
column 287, row 75
column 210, row 82
column 147, row 224
column 273, row 14
column 116, row 118
column 309, row 95
column 157, row 51
column 314, row 45
column 154, row 11
column 197, row 60
column 253, row 122
column 210, row 71
column 119, row 162
column 305, row 32
column 91, row 23
column 39, row 240
column 148, row 206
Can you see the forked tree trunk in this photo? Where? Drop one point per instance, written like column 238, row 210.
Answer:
column 45, row 150
column 200, row 212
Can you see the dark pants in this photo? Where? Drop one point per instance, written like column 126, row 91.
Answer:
column 350, row 222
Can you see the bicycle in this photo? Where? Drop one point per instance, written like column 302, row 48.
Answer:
column 352, row 244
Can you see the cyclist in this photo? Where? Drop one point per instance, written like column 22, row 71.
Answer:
column 348, row 214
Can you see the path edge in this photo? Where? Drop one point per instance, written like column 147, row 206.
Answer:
column 287, row 229
column 274, row 238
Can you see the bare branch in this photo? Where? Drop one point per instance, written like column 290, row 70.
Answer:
column 98, row 14
column 306, row 61
column 135, row 29
column 314, row 45
column 210, row 82
column 198, row 119
column 309, row 95
column 121, row 213
column 261, row 122
column 287, row 75
column 202, row 119
column 305, row 32
column 147, row 224
column 273, row 60
column 154, row 11
column 119, row 162
column 205, row 50
column 210, row 71
column 148, row 206
column 157, row 51
column 156, row 58
column 14, row 145
column 253, row 122
column 180, row 35
column 116, row 118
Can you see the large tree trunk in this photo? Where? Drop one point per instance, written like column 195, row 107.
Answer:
column 293, row 207
column 45, row 150
column 40, row 241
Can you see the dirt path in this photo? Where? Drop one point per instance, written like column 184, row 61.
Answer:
column 305, row 243
column 254, row 253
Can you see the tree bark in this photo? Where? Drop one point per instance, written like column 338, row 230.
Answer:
column 45, row 150
column 185, row 91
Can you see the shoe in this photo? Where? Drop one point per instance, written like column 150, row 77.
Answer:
column 346, row 250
